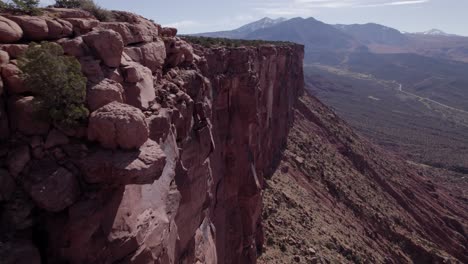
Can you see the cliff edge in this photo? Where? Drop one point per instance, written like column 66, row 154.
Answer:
column 170, row 164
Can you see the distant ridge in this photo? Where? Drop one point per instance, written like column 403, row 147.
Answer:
column 241, row 32
column 436, row 32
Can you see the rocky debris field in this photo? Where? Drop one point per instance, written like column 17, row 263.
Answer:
column 336, row 198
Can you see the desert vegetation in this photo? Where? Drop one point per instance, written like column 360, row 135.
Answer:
column 30, row 7
column 212, row 42
column 100, row 13
column 57, row 81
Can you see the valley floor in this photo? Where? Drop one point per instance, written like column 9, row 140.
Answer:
column 336, row 198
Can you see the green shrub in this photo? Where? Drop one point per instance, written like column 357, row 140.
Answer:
column 30, row 7
column 233, row 43
column 57, row 81
column 88, row 5
column 68, row 3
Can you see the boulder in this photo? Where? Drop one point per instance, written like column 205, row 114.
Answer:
column 148, row 27
column 178, row 51
column 107, row 45
column 13, row 81
column 7, row 185
column 18, row 158
column 82, row 25
column 151, row 55
column 19, row 252
column 23, row 115
column 14, row 50
column 139, row 86
column 51, row 187
column 9, row 31
column 4, row 57
column 159, row 126
column 59, row 28
column 34, row 27
column 104, row 92
column 169, row 32
column 74, row 47
column 131, row 33
column 118, row 125
column 142, row 166
column 56, row 138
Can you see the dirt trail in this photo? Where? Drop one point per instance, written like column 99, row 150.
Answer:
column 400, row 89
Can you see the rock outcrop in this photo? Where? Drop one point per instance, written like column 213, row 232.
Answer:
column 169, row 166
column 171, row 163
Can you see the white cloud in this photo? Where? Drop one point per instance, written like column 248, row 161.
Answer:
column 47, row 2
column 307, row 7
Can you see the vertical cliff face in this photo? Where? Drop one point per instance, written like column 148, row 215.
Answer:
column 254, row 91
column 170, row 164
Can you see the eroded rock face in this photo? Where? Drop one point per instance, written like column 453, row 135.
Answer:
column 168, row 167
column 134, row 167
column 151, row 55
column 105, row 92
column 131, row 33
column 118, row 125
column 252, row 111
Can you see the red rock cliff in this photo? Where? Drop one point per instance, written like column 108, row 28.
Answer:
column 170, row 165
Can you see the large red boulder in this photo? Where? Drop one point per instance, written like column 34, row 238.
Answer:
column 9, row 31
column 178, row 51
column 74, row 47
column 104, row 92
column 34, row 28
column 118, row 125
column 151, row 55
column 107, row 45
column 159, row 125
column 82, row 25
column 14, row 50
column 142, row 166
column 139, row 85
column 24, row 116
column 59, row 28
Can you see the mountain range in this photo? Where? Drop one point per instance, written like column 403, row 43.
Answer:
column 327, row 43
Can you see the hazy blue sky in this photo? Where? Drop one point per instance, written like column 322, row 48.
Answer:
column 192, row 16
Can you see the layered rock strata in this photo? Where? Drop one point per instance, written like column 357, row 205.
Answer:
column 169, row 166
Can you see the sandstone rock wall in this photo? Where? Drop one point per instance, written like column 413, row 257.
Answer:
column 170, row 165
column 254, row 91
